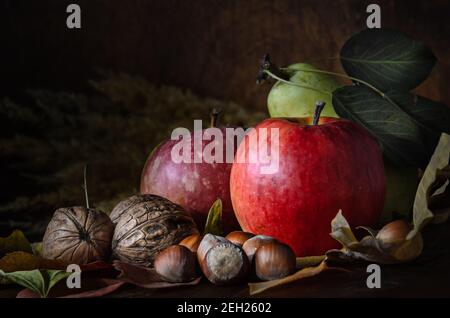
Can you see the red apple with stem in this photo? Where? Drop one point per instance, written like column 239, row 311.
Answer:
column 193, row 185
column 330, row 165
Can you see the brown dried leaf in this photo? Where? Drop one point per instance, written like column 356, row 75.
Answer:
column 370, row 248
column 369, row 230
column 145, row 277
column 22, row 261
column 16, row 241
column 433, row 179
column 96, row 266
column 340, row 230
column 309, row 261
column 93, row 287
column 256, row 288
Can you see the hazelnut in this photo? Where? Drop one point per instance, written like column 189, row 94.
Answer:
column 251, row 245
column 192, row 242
column 208, row 241
column 239, row 237
column 176, row 264
column 392, row 239
column 395, row 231
column 274, row 260
column 225, row 263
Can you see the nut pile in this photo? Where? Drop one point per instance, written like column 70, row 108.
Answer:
column 141, row 227
column 151, row 231
column 226, row 260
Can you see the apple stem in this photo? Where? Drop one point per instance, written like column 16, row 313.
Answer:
column 319, row 107
column 85, row 187
column 215, row 113
column 295, row 84
column 267, row 67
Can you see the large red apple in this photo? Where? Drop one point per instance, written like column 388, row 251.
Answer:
column 194, row 186
column 333, row 165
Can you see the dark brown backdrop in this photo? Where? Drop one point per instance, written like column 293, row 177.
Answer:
column 211, row 47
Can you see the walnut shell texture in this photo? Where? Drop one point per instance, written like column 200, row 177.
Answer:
column 146, row 225
column 123, row 206
column 78, row 235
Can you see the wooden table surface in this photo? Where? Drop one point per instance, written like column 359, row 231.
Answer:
column 428, row 276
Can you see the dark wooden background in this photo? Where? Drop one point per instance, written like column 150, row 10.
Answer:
column 209, row 46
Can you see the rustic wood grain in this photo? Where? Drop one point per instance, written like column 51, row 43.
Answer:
column 211, row 47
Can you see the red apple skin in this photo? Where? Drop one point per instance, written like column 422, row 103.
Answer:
column 194, row 186
column 334, row 165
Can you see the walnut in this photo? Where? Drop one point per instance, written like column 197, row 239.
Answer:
column 147, row 224
column 78, row 235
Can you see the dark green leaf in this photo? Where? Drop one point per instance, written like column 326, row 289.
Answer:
column 387, row 59
column 214, row 220
column 15, row 242
column 434, row 115
column 401, row 138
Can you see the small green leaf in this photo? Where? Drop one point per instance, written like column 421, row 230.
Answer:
column 33, row 280
column 439, row 162
column 387, row 59
column 13, row 243
column 52, row 277
column 37, row 248
column 401, row 138
column 214, row 220
column 38, row 281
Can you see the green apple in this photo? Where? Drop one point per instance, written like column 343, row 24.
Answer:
column 286, row 100
column 401, row 187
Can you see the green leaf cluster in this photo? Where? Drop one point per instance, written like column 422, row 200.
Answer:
column 385, row 66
